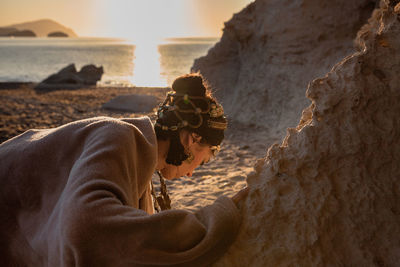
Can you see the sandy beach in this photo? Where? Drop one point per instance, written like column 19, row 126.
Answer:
column 23, row 108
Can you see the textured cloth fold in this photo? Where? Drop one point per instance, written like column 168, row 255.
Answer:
column 79, row 195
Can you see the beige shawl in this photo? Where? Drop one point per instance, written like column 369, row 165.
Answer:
column 76, row 195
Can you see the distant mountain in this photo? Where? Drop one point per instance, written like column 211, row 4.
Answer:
column 23, row 33
column 57, row 34
column 6, row 31
column 43, row 27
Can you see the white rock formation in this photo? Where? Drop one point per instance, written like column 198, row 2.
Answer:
column 272, row 49
column 329, row 195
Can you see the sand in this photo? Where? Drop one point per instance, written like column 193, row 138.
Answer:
column 23, row 108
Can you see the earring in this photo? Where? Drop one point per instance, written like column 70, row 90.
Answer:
column 190, row 156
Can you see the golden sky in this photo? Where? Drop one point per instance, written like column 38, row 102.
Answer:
column 134, row 19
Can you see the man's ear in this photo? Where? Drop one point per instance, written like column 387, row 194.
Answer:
column 186, row 138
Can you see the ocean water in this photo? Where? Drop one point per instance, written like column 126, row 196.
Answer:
column 125, row 63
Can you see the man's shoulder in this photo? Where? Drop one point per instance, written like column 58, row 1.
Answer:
column 114, row 124
column 124, row 129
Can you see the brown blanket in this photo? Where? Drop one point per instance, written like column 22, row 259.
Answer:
column 78, row 195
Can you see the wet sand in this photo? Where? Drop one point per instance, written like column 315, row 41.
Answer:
column 23, row 108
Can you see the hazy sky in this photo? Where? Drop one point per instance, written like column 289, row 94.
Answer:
column 127, row 18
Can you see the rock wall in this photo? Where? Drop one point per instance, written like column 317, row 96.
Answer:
column 271, row 50
column 329, row 195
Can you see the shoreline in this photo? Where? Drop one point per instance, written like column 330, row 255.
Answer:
column 15, row 85
column 5, row 85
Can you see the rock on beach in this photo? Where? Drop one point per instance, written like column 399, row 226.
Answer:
column 133, row 103
column 69, row 78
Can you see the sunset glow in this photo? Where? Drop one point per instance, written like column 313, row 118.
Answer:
column 139, row 21
column 127, row 18
column 147, row 65
column 143, row 24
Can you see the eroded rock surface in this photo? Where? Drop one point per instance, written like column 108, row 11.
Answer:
column 329, row 195
column 272, row 49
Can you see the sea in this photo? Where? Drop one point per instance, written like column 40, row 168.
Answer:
column 125, row 63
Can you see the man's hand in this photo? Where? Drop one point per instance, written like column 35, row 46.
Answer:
column 240, row 196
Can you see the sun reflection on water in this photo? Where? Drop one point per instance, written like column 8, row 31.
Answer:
column 146, row 69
